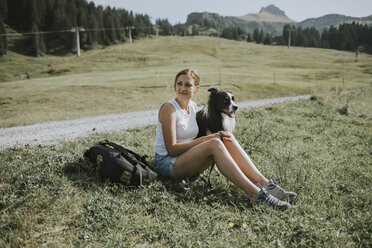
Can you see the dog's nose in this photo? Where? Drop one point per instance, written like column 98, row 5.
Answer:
column 235, row 108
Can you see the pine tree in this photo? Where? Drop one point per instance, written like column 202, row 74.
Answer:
column 268, row 39
column 255, row 35
column 32, row 23
column 3, row 9
column 259, row 35
column 298, row 37
column 165, row 26
column 227, row 33
column 92, row 26
column 3, row 39
column 324, row 39
column 109, row 26
column 99, row 17
column 333, row 38
column 249, row 37
column 35, row 41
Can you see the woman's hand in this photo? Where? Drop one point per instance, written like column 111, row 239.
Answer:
column 222, row 135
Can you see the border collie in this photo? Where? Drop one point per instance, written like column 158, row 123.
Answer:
column 218, row 114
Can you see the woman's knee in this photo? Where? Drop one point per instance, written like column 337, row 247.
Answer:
column 216, row 144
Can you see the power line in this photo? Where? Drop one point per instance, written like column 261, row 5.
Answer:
column 42, row 32
column 69, row 30
column 122, row 28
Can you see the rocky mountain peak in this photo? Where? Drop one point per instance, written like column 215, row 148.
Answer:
column 273, row 10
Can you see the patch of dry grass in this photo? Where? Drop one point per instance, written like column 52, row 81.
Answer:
column 140, row 76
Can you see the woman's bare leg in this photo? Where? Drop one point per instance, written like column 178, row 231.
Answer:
column 200, row 157
column 244, row 162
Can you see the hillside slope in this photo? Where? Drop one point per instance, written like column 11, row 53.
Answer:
column 140, row 76
column 326, row 21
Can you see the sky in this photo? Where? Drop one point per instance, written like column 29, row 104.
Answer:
column 176, row 11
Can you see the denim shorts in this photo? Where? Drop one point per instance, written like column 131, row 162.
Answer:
column 164, row 165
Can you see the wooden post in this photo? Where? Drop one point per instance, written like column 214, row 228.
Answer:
column 343, row 82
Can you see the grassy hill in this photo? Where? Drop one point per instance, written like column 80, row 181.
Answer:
column 50, row 196
column 140, row 76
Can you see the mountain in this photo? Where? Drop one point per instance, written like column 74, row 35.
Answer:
column 271, row 19
column 269, row 14
column 326, row 21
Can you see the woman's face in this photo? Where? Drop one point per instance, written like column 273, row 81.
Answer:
column 185, row 87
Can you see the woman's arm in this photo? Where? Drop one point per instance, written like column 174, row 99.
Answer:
column 167, row 118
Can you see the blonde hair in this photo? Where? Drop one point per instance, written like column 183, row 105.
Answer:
column 192, row 73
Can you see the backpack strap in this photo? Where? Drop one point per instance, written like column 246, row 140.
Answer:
column 140, row 172
column 137, row 156
column 122, row 151
column 116, row 146
column 208, row 183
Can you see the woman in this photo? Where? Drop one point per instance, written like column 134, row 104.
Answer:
column 180, row 155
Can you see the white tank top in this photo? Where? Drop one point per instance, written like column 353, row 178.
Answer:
column 186, row 126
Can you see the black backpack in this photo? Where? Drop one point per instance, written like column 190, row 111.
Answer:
column 120, row 165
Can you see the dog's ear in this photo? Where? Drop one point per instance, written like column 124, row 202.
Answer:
column 213, row 90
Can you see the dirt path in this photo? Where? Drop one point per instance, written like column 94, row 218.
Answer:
column 55, row 132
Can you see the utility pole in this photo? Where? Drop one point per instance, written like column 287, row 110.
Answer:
column 156, row 29
column 130, row 33
column 76, row 30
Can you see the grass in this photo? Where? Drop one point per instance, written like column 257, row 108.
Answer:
column 125, row 77
column 308, row 146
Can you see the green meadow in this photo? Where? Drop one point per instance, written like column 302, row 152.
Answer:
column 320, row 148
column 139, row 76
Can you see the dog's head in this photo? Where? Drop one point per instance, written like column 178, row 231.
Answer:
column 223, row 102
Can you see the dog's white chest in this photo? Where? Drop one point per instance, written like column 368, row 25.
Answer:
column 228, row 123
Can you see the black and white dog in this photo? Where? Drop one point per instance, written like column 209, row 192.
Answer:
column 218, row 114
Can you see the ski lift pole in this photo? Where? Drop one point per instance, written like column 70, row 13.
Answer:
column 130, row 33
column 76, row 30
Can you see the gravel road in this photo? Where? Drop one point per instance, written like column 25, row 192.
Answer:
column 57, row 131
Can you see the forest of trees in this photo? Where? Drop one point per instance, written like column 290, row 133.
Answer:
column 347, row 36
column 164, row 26
column 52, row 20
column 46, row 26
column 233, row 33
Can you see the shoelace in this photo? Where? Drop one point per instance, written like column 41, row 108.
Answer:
column 272, row 200
column 276, row 202
column 274, row 185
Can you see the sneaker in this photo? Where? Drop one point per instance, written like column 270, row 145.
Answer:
column 270, row 200
column 275, row 190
